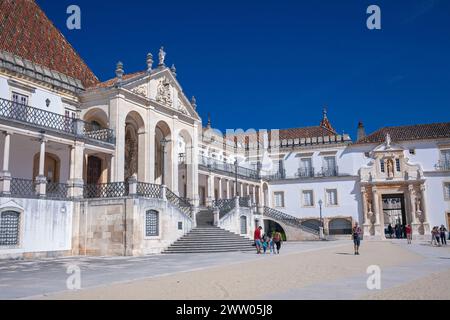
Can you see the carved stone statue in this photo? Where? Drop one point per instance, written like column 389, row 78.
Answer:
column 370, row 207
column 388, row 140
column 418, row 205
column 390, row 167
column 162, row 56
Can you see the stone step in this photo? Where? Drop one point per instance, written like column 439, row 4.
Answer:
column 183, row 251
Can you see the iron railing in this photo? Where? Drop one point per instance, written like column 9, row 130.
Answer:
column 21, row 113
column 443, row 165
column 57, row 190
column 329, row 172
column 280, row 175
column 244, row 202
column 287, row 219
column 224, row 206
column 180, row 203
column 106, row 190
column 148, row 190
column 23, row 188
column 231, row 169
column 305, row 173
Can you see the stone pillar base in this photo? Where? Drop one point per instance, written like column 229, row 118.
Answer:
column 379, row 231
column 5, row 182
column 216, row 217
column 41, row 186
column 76, row 188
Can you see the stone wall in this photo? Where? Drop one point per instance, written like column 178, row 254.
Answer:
column 45, row 228
column 116, row 227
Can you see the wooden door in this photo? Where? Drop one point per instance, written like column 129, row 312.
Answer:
column 94, row 170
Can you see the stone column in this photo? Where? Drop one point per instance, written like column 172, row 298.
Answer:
column 424, row 213
column 41, row 180
column 5, row 175
column 76, row 168
column 228, row 188
column 220, row 188
column 379, row 230
column 367, row 222
column 241, row 192
column 210, row 190
column 253, row 194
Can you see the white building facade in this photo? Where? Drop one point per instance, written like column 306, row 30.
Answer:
column 126, row 167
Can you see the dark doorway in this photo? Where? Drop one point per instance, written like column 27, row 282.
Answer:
column 94, row 170
column 394, row 215
column 271, row 226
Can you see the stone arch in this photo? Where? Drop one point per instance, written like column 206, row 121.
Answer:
column 134, row 146
column 97, row 116
column 271, row 225
column 185, row 158
column 163, row 160
column 52, row 167
column 340, row 226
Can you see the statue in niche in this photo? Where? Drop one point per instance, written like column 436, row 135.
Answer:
column 370, row 206
column 390, row 168
column 418, row 205
column 131, row 149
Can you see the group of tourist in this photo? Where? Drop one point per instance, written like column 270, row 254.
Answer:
column 267, row 243
column 438, row 236
column 398, row 231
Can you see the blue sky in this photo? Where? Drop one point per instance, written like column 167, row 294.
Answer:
column 276, row 63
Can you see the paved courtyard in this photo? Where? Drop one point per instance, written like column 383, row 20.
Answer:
column 304, row 270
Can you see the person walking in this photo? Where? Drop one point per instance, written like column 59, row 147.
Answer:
column 442, row 231
column 257, row 238
column 433, row 236
column 356, row 234
column 390, row 230
column 265, row 243
column 408, row 231
column 277, row 240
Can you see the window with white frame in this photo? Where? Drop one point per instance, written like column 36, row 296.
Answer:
column 445, row 156
column 308, row 198
column 331, row 197
column 305, row 167
column 152, row 223
column 278, row 198
column 9, row 228
column 447, row 191
column 19, row 98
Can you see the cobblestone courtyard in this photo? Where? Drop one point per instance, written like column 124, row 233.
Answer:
column 307, row 270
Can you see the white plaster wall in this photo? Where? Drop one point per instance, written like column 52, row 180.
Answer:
column 46, row 226
column 348, row 198
column 232, row 222
column 437, row 206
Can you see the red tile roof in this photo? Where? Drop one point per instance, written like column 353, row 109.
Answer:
column 113, row 81
column 408, row 133
column 26, row 31
column 283, row 134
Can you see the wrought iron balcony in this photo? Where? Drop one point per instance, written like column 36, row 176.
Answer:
column 280, row 175
column 23, row 114
column 221, row 166
column 329, row 172
column 305, row 173
column 443, row 165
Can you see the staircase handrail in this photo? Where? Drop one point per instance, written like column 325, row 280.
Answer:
column 287, row 219
column 180, row 203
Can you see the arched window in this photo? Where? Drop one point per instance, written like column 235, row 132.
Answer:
column 152, row 223
column 9, row 228
column 340, row 226
column 243, row 225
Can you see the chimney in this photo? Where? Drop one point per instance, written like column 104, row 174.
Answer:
column 361, row 131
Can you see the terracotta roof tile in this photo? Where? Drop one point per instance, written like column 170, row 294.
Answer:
column 113, row 81
column 408, row 133
column 25, row 31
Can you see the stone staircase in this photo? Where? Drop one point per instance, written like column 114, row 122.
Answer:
column 206, row 238
column 210, row 239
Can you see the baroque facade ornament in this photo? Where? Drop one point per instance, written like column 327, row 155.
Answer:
column 164, row 95
column 140, row 90
column 162, row 56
